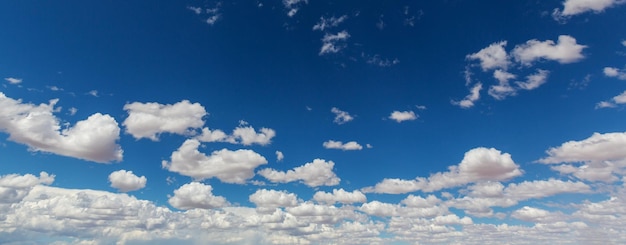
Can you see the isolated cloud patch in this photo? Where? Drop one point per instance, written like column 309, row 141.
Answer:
column 313, row 174
column 196, row 195
column 576, row 7
column 613, row 102
column 149, row 120
column 472, row 97
column 226, row 165
column 333, row 43
column 93, row 139
column 341, row 117
column 564, row 51
column 401, row 116
column 615, row 72
column 348, row 146
column 126, row 181
column 13, row 80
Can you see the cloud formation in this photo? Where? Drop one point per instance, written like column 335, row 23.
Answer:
column 333, row 43
column 126, row 181
column 341, row 117
column 313, row 174
column 401, row 116
column 196, row 195
column 149, row 120
column 576, row 7
column 348, row 146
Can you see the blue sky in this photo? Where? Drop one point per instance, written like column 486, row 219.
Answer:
column 312, row 122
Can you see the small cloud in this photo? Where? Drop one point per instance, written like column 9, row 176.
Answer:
column 341, row 117
column 469, row 100
column 93, row 93
column 212, row 15
column 293, row 6
column 380, row 24
column 624, row 43
column 401, row 116
column 196, row 10
column 421, row 107
column 170, row 180
column 308, row 108
column 13, row 80
column 54, row 88
column 279, row 156
column 369, row 146
column 615, row 72
column 333, row 43
column 72, row 111
column 617, row 100
column 376, row 60
column 349, row 146
column 326, row 23
column 576, row 7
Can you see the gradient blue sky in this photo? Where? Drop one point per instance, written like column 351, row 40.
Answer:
column 398, row 122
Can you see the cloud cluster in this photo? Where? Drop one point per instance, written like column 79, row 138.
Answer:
column 93, row 139
column 326, row 23
column 348, row 146
column 243, row 134
column 313, row 174
column 333, row 43
column 293, row 6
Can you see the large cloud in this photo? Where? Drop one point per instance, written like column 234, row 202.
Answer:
column 148, row 120
column 316, row 173
column 226, row 165
column 93, row 139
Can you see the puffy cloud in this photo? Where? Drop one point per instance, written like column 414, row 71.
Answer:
column 280, row 156
column 543, row 188
column 271, row 199
column 325, row 23
column 614, row 72
column 597, row 148
column 575, row 7
column 478, row 164
column 340, row 196
column 332, row 43
column 13, row 80
column 148, row 120
column 401, row 116
column 469, row 100
column 293, row 6
column 245, row 135
column 228, row 166
column 341, row 117
column 14, row 187
column 196, row 195
column 313, row 174
column 93, row 139
column 534, row 81
column 566, row 50
column 535, row 215
column 349, row 146
column 491, row 57
column 126, row 181
column 617, row 100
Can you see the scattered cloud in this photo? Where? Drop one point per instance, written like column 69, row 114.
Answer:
column 492, row 57
column 93, row 139
column 72, row 111
column 13, row 80
column 149, row 120
column 211, row 15
column 349, row 146
column 378, row 61
column 576, row 7
column 534, row 81
column 93, row 93
column 313, row 174
column 126, row 181
column 617, row 100
column 333, row 43
column 326, row 23
column 340, row 196
column 293, row 6
column 615, row 72
column 469, row 100
column 268, row 200
column 503, row 89
column 564, row 51
column 196, row 195
column 401, row 116
column 341, row 117
column 228, row 166
column 243, row 134
column 279, row 156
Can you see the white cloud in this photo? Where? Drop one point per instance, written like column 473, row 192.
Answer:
column 228, row 166
column 196, row 195
column 14, row 187
column 126, row 181
column 245, row 135
column 566, row 50
column 332, row 43
column 325, row 23
column 478, row 164
column 340, row 196
column 617, row 100
column 196, row 10
column 93, row 93
column 575, row 7
column 503, row 89
column 280, row 156
column 148, row 120
column 537, row 215
column 469, row 100
column 13, row 80
column 615, row 72
column 624, row 43
column 341, row 117
column 534, row 81
column 313, row 174
column 348, row 146
column 93, row 139
column 401, row 116
column 72, row 111
column 269, row 200
column 293, row 6
column 492, row 57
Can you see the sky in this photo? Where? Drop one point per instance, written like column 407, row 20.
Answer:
column 313, row 122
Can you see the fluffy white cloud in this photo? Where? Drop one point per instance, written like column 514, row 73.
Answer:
column 534, row 81
column 478, row 164
column 614, row 72
column 196, row 195
column 245, row 135
column 340, row 196
column 617, row 100
column 469, row 100
column 341, row 117
column 597, row 148
column 492, row 57
column 313, row 174
column 575, row 7
column 228, row 166
column 325, row 23
column 93, row 139
column 280, row 156
column 401, row 116
column 293, row 6
column 566, row 50
column 536, row 215
column 272, row 199
column 126, row 181
column 148, row 120
column 348, row 146
column 13, row 80
column 543, row 188
column 14, row 187
column 333, row 43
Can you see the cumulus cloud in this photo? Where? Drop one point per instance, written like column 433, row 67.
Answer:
column 14, row 187
column 341, row 117
column 537, row 215
column 149, row 120
column 244, row 135
column 478, row 164
column 340, row 196
column 576, row 7
column 333, row 43
column 326, row 23
column 492, row 57
column 13, row 80
column 401, row 116
column 196, row 195
column 614, row 72
column 126, row 181
column 564, row 51
column 503, row 89
column 226, row 165
column 93, row 139
column 269, row 200
column 469, row 100
column 617, row 100
column 313, row 174
column 348, row 146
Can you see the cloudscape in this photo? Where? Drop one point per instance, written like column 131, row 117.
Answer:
column 313, row 122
